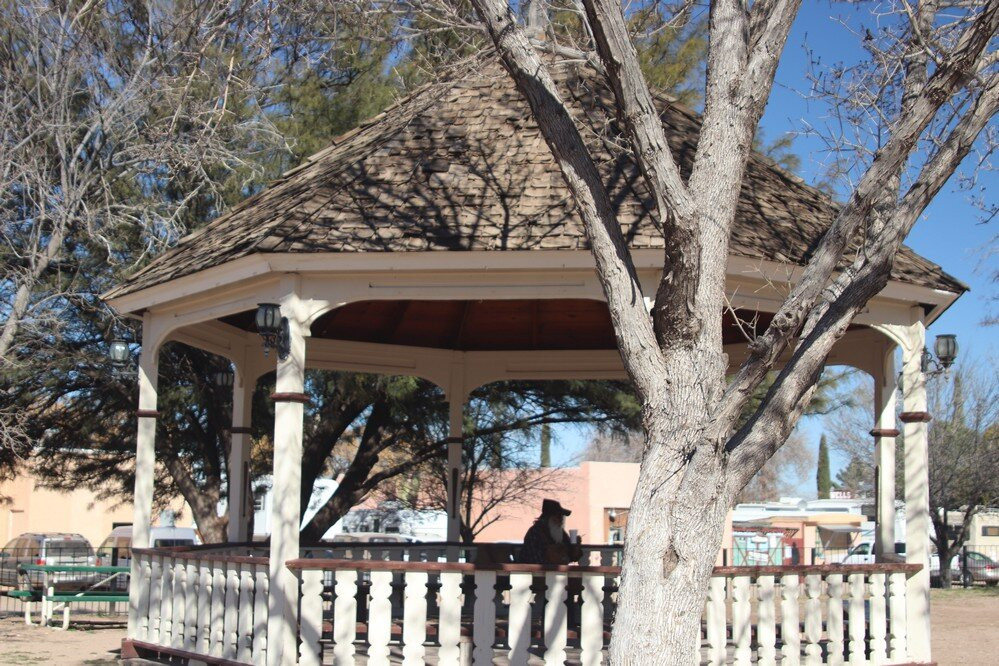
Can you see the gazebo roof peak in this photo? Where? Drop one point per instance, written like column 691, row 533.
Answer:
column 461, row 166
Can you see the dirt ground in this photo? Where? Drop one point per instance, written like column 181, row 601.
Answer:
column 965, row 626
column 92, row 641
column 965, row 633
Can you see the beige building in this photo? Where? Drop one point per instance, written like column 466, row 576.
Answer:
column 32, row 508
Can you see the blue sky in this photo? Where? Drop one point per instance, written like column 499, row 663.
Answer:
column 949, row 234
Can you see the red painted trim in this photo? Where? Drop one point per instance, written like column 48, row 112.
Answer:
column 290, row 397
column 915, row 417
column 135, row 648
column 240, row 430
column 884, row 432
column 128, row 650
column 147, row 413
column 455, row 440
column 182, row 553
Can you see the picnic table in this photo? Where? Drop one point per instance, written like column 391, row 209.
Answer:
column 92, row 578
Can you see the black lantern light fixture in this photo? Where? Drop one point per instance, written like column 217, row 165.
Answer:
column 121, row 358
column 273, row 328
column 945, row 353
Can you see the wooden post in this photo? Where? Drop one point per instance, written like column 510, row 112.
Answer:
column 289, row 413
column 239, row 501
column 885, row 385
column 917, row 494
column 455, row 470
column 145, row 459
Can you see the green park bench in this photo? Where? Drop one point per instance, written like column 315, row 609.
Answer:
column 49, row 596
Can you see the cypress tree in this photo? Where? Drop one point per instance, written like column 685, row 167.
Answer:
column 823, row 481
column 546, row 445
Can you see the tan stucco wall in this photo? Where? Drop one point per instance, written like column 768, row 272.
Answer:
column 587, row 491
column 35, row 509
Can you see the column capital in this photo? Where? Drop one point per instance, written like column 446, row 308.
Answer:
column 915, row 417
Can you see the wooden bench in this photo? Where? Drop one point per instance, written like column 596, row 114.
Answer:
column 66, row 597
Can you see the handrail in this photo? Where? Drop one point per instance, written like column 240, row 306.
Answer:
column 199, row 553
column 465, row 567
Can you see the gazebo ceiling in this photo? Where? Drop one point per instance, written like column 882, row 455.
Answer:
column 484, row 325
column 461, row 166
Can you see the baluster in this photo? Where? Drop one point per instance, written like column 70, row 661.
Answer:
column 244, row 645
column 449, row 629
column 143, row 570
column 261, row 585
column 858, row 623
column 879, row 646
column 155, row 597
column 766, row 632
column 312, row 616
column 205, row 607
column 834, row 624
column 899, row 649
column 166, row 602
column 716, row 621
column 380, row 617
column 790, row 631
column 813, row 620
column 484, row 617
column 555, row 619
column 179, row 591
column 519, row 629
column 414, row 622
column 741, row 627
column 591, row 628
column 217, row 610
column 230, row 626
column 191, row 583
column 344, row 616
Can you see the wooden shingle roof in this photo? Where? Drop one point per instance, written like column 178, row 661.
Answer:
column 462, row 166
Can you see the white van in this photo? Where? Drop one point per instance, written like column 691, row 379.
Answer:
column 116, row 549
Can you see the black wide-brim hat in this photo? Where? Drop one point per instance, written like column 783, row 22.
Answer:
column 550, row 507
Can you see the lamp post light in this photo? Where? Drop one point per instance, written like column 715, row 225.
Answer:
column 273, row 328
column 945, row 352
column 121, row 358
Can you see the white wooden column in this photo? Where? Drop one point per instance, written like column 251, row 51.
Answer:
column 455, row 468
column 884, row 433
column 145, row 460
column 289, row 412
column 917, row 497
column 239, row 501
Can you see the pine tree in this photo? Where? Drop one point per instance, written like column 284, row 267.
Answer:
column 823, row 481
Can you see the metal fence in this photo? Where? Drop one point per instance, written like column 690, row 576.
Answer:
column 12, row 577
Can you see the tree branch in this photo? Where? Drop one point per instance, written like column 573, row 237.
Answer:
column 616, row 270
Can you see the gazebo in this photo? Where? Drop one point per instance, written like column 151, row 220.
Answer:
column 438, row 240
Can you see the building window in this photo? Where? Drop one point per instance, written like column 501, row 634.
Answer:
column 990, row 530
column 258, row 503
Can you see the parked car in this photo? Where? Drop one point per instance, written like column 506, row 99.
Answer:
column 863, row 552
column 116, row 549
column 46, row 548
column 981, row 568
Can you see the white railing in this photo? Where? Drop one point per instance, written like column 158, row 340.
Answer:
column 190, row 604
column 209, row 604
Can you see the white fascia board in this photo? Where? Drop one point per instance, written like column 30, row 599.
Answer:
column 442, row 262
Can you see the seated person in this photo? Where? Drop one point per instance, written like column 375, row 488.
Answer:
column 547, row 542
